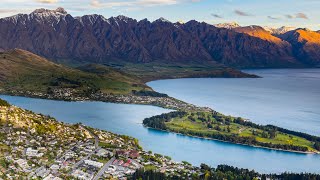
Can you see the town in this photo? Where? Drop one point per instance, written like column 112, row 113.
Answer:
column 69, row 94
column 35, row 146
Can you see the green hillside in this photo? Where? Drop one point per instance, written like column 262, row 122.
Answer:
column 159, row 70
column 23, row 71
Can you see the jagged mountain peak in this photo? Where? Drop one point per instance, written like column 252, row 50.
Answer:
column 161, row 19
column 58, row 11
column 57, row 35
column 92, row 19
column 304, row 29
column 123, row 18
column 280, row 30
column 230, row 25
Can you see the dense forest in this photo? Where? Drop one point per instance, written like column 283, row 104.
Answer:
column 158, row 121
column 224, row 172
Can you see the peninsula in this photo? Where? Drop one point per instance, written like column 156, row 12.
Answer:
column 36, row 146
column 213, row 125
column 26, row 74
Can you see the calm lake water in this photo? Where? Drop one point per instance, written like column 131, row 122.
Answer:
column 127, row 119
column 288, row 98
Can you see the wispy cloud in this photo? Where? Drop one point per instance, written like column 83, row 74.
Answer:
column 273, row 18
column 242, row 13
column 301, row 16
column 216, row 16
column 139, row 3
column 297, row 16
column 47, row 1
column 288, row 16
column 4, row 11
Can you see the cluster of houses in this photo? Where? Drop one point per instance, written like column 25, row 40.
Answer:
column 70, row 94
column 37, row 146
column 167, row 102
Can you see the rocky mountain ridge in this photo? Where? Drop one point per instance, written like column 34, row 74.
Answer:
column 58, row 36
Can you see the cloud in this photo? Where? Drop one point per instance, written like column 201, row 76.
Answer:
column 47, row 1
column 297, row 16
column 288, row 16
column 139, row 3
column 241, row 13
column 4, row 11
column 301, row 16
column 216, row 16
column 273, row 18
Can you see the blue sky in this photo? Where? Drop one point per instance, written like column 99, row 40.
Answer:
column 274, row 13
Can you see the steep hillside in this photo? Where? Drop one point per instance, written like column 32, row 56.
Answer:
column 261, row 33
column 21, row 70
column 306, row 45
column 57, row 35
column 239, row 49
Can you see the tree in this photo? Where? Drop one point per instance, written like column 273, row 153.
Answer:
column 264, row 134
column 272, row 134
column 317, row 146
column 218, row 128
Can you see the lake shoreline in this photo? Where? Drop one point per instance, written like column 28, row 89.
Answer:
column 156, row 105
column 206, row 138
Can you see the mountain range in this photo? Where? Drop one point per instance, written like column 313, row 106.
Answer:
column 58, row 36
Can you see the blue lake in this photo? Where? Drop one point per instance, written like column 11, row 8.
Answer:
column 127, row 119
column 288, row 98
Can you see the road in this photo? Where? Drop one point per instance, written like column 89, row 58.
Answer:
column 96, row 138
column 82, row 160
column 103, row 169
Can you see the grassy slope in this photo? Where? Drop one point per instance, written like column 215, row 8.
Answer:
column 22, row 70
column 184, row 123
column 156, row 70
column 115, row 79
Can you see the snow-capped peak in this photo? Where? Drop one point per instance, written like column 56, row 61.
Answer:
column 58, row 11
column 162, row 20
column 47, row 15
column 280, row 30
column 230, row 25
column 123, row 18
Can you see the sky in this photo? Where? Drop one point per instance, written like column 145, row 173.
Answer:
column 273, row 13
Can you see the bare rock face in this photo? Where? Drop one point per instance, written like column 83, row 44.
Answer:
column 241, row 49
column 306, row 45
column 57, row 35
